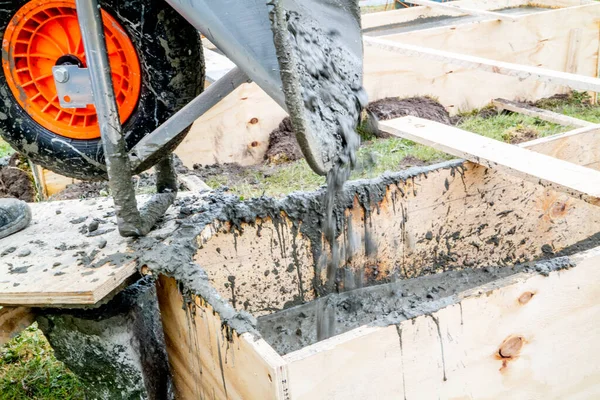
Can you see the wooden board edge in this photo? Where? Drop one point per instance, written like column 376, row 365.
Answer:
column 591, row 255
column 509, row 350
column 208, row 359
column 373, row 21
column 570, row 178
column 13, row 320
column 70, row 298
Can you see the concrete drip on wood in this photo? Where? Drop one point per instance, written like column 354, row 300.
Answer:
column 387, row 304
column 221, row 212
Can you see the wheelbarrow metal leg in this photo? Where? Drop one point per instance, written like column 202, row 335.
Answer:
column 130, row 221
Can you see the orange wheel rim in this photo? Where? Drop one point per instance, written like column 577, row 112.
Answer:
column 45, row 33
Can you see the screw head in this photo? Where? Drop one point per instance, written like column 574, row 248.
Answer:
column 61, row 75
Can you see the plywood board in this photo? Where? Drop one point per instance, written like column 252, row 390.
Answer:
column 208, row 360
column 540, row 40
column 461, row 9
column 386, row 19
column 519, row 71
column 523, row 337
column 573, row 179
column 236, row 130
column 52, row 262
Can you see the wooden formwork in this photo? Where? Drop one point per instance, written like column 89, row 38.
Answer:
column 520, row 336
column 525, row 336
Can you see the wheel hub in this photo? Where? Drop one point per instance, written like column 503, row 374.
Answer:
column 44, row 34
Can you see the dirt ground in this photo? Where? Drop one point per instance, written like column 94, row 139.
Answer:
column 422, row 107
column 15, row 182
column 283, row 146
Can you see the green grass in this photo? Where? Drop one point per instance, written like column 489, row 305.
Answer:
column 504, row 127
column 5, row 149
column 29, row 370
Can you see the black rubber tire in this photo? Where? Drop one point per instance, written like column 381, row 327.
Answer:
column 170, row 54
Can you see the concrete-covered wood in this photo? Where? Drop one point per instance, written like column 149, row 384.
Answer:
column 523, row 337
column 57, row 260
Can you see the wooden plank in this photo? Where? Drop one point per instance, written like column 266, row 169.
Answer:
column 210, row 362
column 12, row 321
column 570, row 178
column 523, row 337
column 383, row 19
column 53, row 262
column 39, row 180
column 580, row 146
column 522, row 72
column 465, row 10
column 545, row 115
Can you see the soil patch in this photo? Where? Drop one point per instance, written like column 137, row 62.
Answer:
column 552, row 101
column 82, row 190
column 410, row 161
column 17, row 184
column 283, row 146
column 422, row 107
column 521, row 135
column 207, row 172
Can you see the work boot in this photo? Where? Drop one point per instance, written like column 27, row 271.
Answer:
column 14, row 216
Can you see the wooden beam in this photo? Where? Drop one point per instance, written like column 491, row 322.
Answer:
column 56, row 261
column 464, row 10
column 384, row 19
column 540, row 113
column 522, row 72
column 526, row 336
column 570, row 178
column 13, row 320
column 39, row 180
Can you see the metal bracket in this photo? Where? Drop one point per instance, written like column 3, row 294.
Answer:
column 73, row 86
